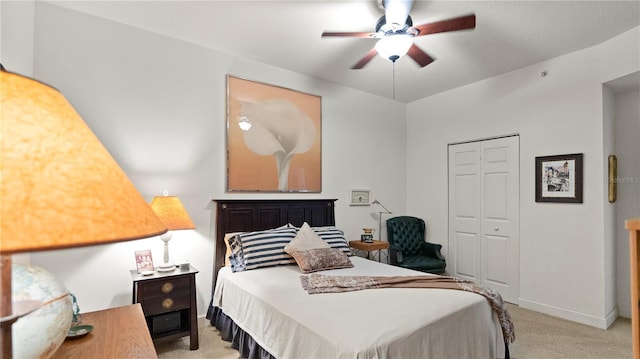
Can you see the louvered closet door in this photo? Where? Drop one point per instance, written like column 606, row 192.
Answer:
column 484, row 214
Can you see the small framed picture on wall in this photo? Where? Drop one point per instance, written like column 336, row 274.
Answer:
column 360, row 197
column 559, row 178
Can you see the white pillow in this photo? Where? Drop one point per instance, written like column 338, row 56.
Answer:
column 305, row 239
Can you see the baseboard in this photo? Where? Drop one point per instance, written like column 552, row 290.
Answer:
column 612, row 316
column 598, row 322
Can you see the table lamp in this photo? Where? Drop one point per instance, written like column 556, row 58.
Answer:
column 172, row 213
column 60, row 188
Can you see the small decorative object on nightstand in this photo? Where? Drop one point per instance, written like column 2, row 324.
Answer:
column 370, row 246
column 367, row 235
column 169, row 303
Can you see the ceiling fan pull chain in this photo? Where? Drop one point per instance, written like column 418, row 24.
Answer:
column 394, row 80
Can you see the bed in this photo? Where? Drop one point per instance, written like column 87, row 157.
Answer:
column 266, row 313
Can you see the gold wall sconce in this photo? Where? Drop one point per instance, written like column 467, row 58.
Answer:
column 613, row 178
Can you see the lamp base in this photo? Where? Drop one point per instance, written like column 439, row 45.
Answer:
column 39, row 334
column 166, row 267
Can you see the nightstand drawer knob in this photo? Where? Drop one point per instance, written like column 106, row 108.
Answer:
column 167, row 287
column 167, row 303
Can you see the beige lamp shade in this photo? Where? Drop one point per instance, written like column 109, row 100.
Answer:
column 171, row 212
column 60, row 186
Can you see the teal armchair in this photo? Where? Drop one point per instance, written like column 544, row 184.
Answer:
column 408, row 248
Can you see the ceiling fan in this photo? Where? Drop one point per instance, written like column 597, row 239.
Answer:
column 395, row 32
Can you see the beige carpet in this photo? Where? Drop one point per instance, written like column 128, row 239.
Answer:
column 538, row 336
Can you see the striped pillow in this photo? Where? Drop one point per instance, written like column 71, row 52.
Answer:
column 253, row 250
column 334, row 237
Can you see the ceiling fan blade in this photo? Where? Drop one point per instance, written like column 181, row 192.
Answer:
column 365, row 60
column 397, row 11
column 349, row 34
column 455, row 24
column 419, row 56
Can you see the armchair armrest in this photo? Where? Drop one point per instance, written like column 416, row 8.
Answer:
column 395, row 254
column 432, row 250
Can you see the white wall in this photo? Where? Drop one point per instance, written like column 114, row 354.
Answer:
column 16, row 46
column 562, row 252
column 158, row 105
column 608, row 214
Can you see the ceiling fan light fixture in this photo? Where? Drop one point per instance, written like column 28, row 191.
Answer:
column 393, row 47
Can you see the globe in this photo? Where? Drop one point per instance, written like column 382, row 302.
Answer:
column 39, row 334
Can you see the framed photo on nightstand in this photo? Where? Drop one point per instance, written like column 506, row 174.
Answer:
column 144, row 261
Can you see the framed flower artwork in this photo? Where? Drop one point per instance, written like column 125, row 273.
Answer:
column 274, row 138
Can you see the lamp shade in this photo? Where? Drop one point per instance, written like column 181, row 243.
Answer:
column 60, row 187
column 171, row 212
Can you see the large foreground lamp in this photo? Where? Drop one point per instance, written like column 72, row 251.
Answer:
column 172, row 213
column 60, row 188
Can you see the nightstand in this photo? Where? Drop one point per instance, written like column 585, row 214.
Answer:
column 369, row 247
column 169, row 303
column 117, row 333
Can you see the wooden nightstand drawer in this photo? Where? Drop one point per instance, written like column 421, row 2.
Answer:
column 167, row 303
column 164, row 287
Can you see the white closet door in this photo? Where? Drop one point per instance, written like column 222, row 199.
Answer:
column 464, row 211
column 483, row 214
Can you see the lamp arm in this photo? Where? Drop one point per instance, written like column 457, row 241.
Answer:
column 375, row 201
column 386, row 211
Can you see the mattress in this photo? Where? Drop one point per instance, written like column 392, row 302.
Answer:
column 271, row 306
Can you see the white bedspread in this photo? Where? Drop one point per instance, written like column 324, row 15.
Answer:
column 271, row 306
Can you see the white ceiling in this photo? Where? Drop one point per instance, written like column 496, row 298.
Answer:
column 286, row 33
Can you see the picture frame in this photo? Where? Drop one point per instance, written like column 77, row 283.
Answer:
column 274, row 138
column 144, row 261
column 360, row 197
column 559, row 178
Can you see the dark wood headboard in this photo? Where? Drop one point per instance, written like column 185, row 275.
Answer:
column 254, row 215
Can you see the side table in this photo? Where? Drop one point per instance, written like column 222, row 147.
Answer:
column 370, row 246
column 169, row 303
column 633, row 226
column 117, row 333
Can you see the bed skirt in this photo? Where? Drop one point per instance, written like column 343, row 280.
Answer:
column 243, row 342
column 240, row 340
